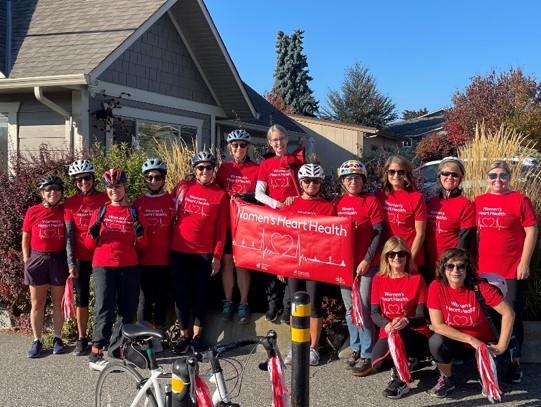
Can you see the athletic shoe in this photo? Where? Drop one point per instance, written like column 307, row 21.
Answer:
column 96, row 362
column 514, row 373
column 314, row 357
column 227, row 311
column 198, row 344
column 352, row 359
column 181, row 346
column 362, row 368
column 35, row 350
column 289, row 357
column 81, row 347
column 58, row 346
column 286, row 316
column 243, row 315
column 442, row 387
column 396, row 388
column 272, row 313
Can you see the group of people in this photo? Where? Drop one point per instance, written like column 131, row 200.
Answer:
column 416, row 262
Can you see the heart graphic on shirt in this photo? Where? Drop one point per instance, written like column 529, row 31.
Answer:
column 281, row 244
column 394, row 309
column 487, row 222
column 48, row 233
column 281, row 183
column 391, row 217
column 193, row 208
column 114, row 226
column 460, row 320
column 152, row 221
column 237, row 189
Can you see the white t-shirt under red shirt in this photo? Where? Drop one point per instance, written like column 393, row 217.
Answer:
column 46, row 228
column 281, row 181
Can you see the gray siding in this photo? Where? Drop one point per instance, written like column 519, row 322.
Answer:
column 160, row 62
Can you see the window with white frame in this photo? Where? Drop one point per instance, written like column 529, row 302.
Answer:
column 149, row 133
column 408, row 143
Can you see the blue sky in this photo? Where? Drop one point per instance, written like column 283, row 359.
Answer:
column 419, row 52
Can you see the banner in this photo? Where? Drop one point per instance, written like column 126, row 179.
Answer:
column 310, row 247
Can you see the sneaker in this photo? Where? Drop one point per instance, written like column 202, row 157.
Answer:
column 286, row 316
column 97, row 362
column 243, row 315
column 181, row 346
column 396, row 389
column 81, row 347
column 362, row 368
column 514, row 373
column 288, row 358
column 442, row 387
column 58, row 346
column 314, row 357
column 198, row 344
column 272, row 313
column 352, row 359
column 35, row 350
column 227, row 311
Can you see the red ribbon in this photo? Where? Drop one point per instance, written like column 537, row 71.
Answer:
column 356, row 305
column 279, row 389
column 67, row 300
column 488, row 373
column 399, row 356
column 202, row 393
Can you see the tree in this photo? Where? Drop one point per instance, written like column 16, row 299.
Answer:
column 509, row 98
column 436, row 146
column 359, row 101
column 291, row 75
column 274, row 97
column 412, row 114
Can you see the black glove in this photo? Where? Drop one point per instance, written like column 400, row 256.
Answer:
column 138, row 229
column 94, row 230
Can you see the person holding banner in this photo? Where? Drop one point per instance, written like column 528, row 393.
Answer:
column 405, row 208
column 276, row 187
column 368, row 217
column 398, row 303
column 310, row 203
column 238, row 177
column 197, row 246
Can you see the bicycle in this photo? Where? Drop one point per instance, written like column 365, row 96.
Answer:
column 120, row 384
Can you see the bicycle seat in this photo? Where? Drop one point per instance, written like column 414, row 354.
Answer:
column 132, row 331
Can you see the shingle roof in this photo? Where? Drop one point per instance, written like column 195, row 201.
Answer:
column 419, row 126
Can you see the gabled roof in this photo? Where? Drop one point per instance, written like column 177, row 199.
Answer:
column 420, row 126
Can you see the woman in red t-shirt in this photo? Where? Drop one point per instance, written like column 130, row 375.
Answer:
column 459, row 323
column 44, row 258
column 238, row 177
column 451, row 216
column 77, row 211
column 398, row 303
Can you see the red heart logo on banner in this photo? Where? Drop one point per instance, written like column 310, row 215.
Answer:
column 281, row 244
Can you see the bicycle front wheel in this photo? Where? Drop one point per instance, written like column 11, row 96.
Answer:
column 119, row 384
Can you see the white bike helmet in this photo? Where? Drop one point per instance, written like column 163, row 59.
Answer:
column 311, row 171
column 496, row 280
column 203, row 157
column 81, row 167
column 239, row 135
column 154, row 164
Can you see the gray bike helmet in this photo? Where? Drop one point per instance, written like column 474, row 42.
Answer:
column 49, row 180
column 239, row 135
column 154, row 164
column 311, row 171
column 81, row 167
column 203, row 157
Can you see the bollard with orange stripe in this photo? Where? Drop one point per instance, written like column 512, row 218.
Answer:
column 180, row 383
column 300, row 349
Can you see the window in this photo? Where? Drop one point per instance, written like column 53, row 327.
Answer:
column 408, row 143
column 150, row 132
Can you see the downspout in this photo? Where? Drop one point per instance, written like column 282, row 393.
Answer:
column 8, row 38
column 38, row 92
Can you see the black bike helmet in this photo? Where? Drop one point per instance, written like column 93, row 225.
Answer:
column 49, row 180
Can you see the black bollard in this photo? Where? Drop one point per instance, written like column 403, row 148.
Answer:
column 181, row 383
column 300, row 349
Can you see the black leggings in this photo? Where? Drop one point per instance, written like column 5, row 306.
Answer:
column 414, row 342
column 155, row 285
column 444, row 349
column 191, row 276
column 82, row 283
column 313, row 288
column 515, row 298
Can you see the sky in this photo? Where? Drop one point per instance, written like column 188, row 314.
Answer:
column 419, row 52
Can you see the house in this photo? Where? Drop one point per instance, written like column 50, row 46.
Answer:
column 413, row 130
column 76, row 72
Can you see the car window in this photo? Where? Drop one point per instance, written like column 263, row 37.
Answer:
column 429, row 172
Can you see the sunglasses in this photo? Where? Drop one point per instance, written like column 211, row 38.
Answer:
column 400, row 173
column 86, row 178
column 354, row 178
column 150, row 178
column 204, row 167
column 239, row 145
column 309, row 181
column 51, row 188
column 452, row 174
column 452, row 266
column 401, row 254
column 494, row 175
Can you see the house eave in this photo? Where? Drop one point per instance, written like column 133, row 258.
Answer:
column 60, row 81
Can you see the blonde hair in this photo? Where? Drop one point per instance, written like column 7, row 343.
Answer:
column 395, row 243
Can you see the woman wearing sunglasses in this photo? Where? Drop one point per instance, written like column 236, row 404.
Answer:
column 158, row 209
column 507, row 225
column 404, row 207
column 398, row 303
column 238, row 177
column 44, row 258
column 459, row 323
column 197, row 245
column 77, row 211
column 368, row 217
column 451, row 216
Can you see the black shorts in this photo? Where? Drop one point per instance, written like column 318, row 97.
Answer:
column 46, row 268
column 228, row 246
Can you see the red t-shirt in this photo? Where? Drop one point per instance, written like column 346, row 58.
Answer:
column 402, row 209
column 317, row 206
column 202, row 219
column 365, row 211
column 446, row 217
column 281, row 181
column 46, row 228
column 237, row 178
column 78, row 209
column 159, row 212
column 399, row 297
column 501, row 220
column 461, row 310
column 116, row 246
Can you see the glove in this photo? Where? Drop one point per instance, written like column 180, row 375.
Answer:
column 94, row 230
column 138, row 229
